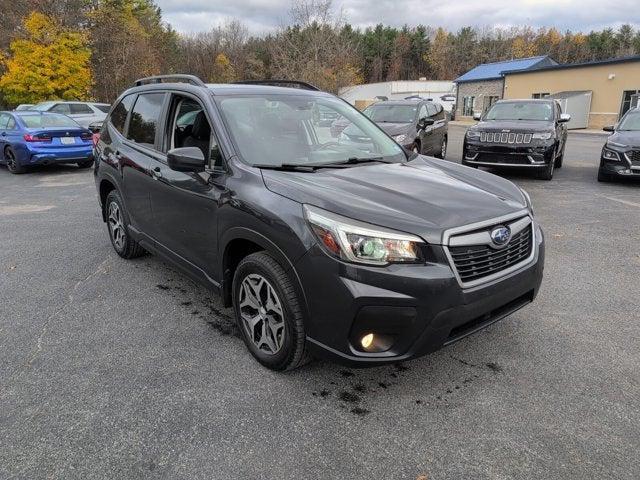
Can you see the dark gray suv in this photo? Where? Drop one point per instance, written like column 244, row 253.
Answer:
column 355, row 249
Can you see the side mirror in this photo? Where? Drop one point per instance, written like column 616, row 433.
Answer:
column 186, row 159
column 564, row 118
column 425, row 122
column 95, row 127
column 609, row 128
column 477, row 116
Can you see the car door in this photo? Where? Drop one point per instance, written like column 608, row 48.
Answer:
column 4, row 120
column 185, row 204
column 9, row 132
column 424, row 134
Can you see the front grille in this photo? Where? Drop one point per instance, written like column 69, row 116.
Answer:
column 478, row 261
column 505, row 137
column 634, row 156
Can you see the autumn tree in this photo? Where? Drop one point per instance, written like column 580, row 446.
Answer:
column 50, row 62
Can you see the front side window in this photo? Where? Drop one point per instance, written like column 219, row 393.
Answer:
column 431, row 108
column 144, row 118
column 276, row 129
column 119, row 115
column 521, row 111
column 391, row 113
column 80, row 108
column 630, row 122
column 424, row 113
column 61, row 108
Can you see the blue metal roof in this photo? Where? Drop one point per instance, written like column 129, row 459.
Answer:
column 495, row 70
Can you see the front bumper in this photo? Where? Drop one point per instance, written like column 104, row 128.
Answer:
column 500, row 155
column 421, row 307
column 625, row 167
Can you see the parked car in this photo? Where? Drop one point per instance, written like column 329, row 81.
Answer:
column 518, row 133
column 30, row 138
column 366, row 254
column 23, row 106
column 621, row 153
column 84, row 113
column 414, row 123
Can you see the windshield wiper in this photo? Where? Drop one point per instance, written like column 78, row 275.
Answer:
column 309, row 167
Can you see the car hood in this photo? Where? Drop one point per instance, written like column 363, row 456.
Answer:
column 626, row 138
column 514, row 126
column 424, row 197
column 395, row 128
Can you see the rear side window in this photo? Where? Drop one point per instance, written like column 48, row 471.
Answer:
column 80, row 108
column 11, row 125
column 4, row 120
column 144, row 118
column 103, row 108
column 120, row 113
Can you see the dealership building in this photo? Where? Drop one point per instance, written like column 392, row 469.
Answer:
column 595, row 93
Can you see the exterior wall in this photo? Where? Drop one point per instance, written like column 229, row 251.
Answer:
column 480, row 90
column 607, row 92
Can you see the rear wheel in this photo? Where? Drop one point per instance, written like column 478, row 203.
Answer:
column 268, row 313
column 117, row 221
column 12, row 163
column 85, row 164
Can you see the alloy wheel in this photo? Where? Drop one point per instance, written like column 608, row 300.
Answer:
column 443, row 148
column 116, row 226
column 11, row 161
column 262, row 314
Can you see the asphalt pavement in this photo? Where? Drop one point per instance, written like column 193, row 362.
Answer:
column 126, row 369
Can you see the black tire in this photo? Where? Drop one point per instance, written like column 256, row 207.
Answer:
column 559, row 159
column 443, row 148
column 123, row 243
column 292, row 352
column 604, row 177
column 12, row 164
column 85, row 164
column 417, row 147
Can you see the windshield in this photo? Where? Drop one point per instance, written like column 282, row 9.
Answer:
column 521, row 111
column 391, row 113
column 42, row 107
column 286, row 129
column 48, row 121
column 631, row 121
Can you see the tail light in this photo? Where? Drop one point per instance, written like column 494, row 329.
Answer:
column 37, row 138
column 96, row 138
column 86, row 136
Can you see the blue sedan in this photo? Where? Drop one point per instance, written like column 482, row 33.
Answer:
column 41, row 138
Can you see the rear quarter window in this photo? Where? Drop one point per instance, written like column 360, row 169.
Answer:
column 118, row 118
column 80, row 108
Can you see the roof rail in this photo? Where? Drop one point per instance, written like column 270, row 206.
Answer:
column 281, row 83
column 414, row 97
column 173, row 78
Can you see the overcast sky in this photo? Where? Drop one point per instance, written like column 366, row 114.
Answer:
column 265, row 15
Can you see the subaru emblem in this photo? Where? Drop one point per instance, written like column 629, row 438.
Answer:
column 500, row 236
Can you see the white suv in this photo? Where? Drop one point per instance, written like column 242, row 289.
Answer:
column 83, row 113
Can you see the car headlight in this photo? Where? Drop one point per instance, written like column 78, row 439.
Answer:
column 399, row 138
column 610, row 155
column 473, row 134
column 361, row 242
column 527, row 198
column 616, row 145
column 542, row 136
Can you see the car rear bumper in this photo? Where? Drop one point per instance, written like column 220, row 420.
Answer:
column 67, row 155
column 420, row 308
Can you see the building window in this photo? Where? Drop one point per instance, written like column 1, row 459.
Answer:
column 489, row 101
column 540, row 95
column 467, row 106
column 629, row 100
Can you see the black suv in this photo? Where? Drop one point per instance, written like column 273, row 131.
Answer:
column 621, row 153
column 417, row 124
column 355, row 250
column 518, row 133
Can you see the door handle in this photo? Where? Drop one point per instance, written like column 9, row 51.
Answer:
column 156, row 173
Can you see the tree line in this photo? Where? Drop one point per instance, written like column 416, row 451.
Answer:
column 82, row 49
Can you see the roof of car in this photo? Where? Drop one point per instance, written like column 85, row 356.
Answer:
column 232, row 88
column 527, row 100
column 410, row 101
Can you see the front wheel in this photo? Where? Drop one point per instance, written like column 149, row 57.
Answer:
column 268, row 313
column 603, row 177
column 547, row 172
column 12, row 162
column 443, row 148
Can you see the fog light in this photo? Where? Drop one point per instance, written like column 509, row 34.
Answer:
column 367, row 341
